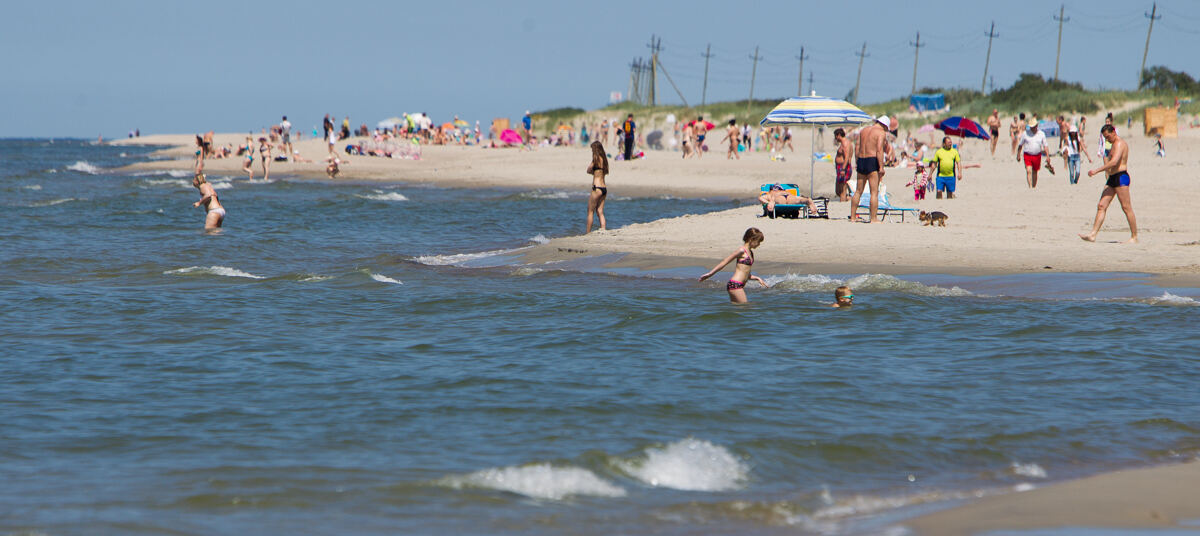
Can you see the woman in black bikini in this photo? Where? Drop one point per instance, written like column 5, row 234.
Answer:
column 741, row 271
column 598, row 170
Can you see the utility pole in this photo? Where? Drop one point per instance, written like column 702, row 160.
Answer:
column 810, row 83
column 800, row 81
column 988, row 62
column 707, row 54
column 635, row 80
column 858, row 82
column 668, row 75
column 753, row 73
column 917, row 46
column 655, row 46
column 1152, row 17
column 1061, row 19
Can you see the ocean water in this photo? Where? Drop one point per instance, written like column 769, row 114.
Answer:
column 358, row 358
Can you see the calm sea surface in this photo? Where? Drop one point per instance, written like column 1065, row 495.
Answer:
column 352, row 358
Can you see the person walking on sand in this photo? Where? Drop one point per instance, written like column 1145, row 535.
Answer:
column 628, row 128
column 732, row 133
column 869, row 164
column 949, row 168
column 699, row 131
column 841, row 164
column 527, row 127
column 264, row 152
column 214, row 214
column 744, row 255
column 1117, row 169
column 1013, row 135
column 1073, row 148
column 1033, row 148
column 993, row 123
column 598, row 169
column 285, row 128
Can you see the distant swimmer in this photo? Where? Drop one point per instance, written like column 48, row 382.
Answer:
column 215, row 213
column 334, row 166
column 598, row 169
column 842, row 297
column 1116, row 166
column 741, row 271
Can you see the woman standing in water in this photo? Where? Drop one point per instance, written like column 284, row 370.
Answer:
column 246, row 166
column 264, row 152
column 199, row 155
column 598, row 170
column 741, row 271
column 215, row 213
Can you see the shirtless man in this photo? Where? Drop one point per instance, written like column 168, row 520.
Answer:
column 699, row 130
column 1118, row 185
column 869, row 164
column 993, row 123
column 215, row 213
column 1020, row 131
column 732, row 134
column 841, row 164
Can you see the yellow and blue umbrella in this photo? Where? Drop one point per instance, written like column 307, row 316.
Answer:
column 814, row 111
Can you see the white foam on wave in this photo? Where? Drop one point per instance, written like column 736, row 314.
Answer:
column 540, row 481
column 859, row 505
column 167, row 182
column 545, row 194
column 1031, row 470
column 460, row 258
column 381, row 195
column 212, row 270
column 860, row 283
column 526, row 271
column 313, row 278
column 53, row 202
column 32, row 187
column 385, row 279
column 221, row 185
column 1170, row 299
column 690, row 465
column 177, row 173
column 83, row 166
column 540, row 239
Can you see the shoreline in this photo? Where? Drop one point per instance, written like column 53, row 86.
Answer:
column 1156, row 497
column 996, row 224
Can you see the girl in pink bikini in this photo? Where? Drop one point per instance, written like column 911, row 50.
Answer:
column 741, row 270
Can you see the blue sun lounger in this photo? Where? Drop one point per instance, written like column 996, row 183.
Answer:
column 885, row 208
column 785, row 211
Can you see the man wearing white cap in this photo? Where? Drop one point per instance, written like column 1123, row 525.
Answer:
column 869, row 164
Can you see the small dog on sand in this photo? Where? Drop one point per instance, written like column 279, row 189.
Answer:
column 933, row 218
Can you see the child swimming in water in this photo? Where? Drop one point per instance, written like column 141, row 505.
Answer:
column 843, row 297
column 751, row 239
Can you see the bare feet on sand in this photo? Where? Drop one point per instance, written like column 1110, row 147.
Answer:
column 1087, row 238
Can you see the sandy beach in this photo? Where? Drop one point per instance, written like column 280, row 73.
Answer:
column 996, row 224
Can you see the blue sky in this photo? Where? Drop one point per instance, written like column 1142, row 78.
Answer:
column 77, row 68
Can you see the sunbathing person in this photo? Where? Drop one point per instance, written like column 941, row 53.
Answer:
column 776, row 195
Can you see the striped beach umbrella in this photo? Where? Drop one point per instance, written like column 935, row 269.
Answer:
column 815, row 111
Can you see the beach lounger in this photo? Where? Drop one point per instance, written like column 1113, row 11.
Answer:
column 785, row 211
column 885, row 208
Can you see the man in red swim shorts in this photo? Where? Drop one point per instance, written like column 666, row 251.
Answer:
column 1033, row 145
column 841, row 163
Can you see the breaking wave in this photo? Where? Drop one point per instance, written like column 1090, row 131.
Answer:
column 381, row 195
column 540, row 481
column 212, row 270
column 865, row 282
column 690, row 465
column 83, row 166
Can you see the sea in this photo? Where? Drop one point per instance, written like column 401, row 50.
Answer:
column 368, row 358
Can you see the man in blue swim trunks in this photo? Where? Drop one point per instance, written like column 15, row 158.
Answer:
column 1116, row 166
